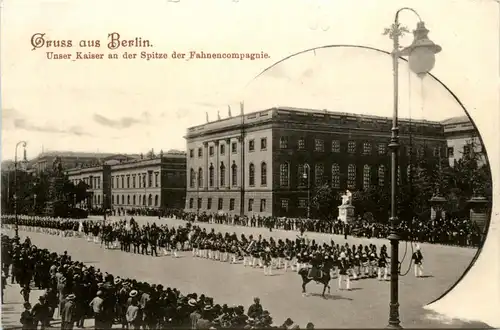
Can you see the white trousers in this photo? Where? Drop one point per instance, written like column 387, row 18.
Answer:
column 419, row 270
column 345, row 278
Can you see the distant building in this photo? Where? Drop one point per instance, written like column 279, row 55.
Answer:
column 256, row 164
column 70, row 159
column 154, row 181
column 460, row 135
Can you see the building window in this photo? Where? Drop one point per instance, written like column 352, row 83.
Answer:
column 251, row 175
column 284, row 142
column 209, row 203
column 421, row 152
column 351, row 147
column 123, row 199
column 222, row 175
column 234, row 147
column 335, row 146
column 302, row 203
column 200, row 152
column 399, row 175
column 211, row 175
column 367, row 148
column 220, row 204
column 211, row 150
column 319, row 171
column 191, row 203
column 319, row 145
column 128, row 181
column 231, row 204
column 234, row 175
column 250, row 205
column 381, row 175
column 200, row 177
column 191, row 178
column 199, row 203
column 98, row 199
column 284, row 175
column 150, row 179
column 157, row 182
column 409, row 172
column 251, row 145
column 128, row 199
column 284, row 204
column 222, row 149
column 450, row 152
column 351, row 176
column 336, row 176
column 123, row 181
column 150, row 200
column 133, row 200
column 366, row 177
column 144, row 200
column 467, row 149
column 381, row 149
column 263, row 144
column 302, row 143
column 263, row 174
column 113, row 182
column 262, row 205
column 191, row 153
column 144, row 180
column 133, row 181
column 436, row 152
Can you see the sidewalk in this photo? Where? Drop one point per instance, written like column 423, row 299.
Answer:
column 12, row 307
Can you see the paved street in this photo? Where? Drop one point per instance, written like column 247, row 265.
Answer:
column 365, row 306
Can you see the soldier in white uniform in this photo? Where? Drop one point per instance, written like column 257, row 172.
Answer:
column 418, row 258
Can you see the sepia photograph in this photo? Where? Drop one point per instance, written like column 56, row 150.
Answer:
column 182, row 164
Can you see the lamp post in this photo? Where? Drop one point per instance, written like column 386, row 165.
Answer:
column 307, row 175
column 421, row 55
column 23, row 143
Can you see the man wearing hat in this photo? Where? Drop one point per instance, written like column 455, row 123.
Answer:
column 41, row 312
column 417, row 258
column 97, row 309
column 343, row 271
column 68, row 314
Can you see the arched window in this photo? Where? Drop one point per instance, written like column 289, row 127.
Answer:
column 200, row 177
column 128, row 199
column 263, row 174
column 366, row 177
column 301, row 175
column 381, row 175
column 133, row 200
column 150, row 200
column 222, row 174
column 351, row 176
column 251, row 175
column 284, row 175
column 157, row 200
column 234, row 175
column 335, row 176
column 191, row 178
column 211, row 175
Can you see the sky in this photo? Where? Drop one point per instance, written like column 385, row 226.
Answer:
column 131, row 106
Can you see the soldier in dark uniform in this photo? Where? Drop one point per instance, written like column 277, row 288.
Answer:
column 144, row 243
column 382, row 265
column 418, row 258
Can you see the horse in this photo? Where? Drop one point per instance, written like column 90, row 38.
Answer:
column 323, row 278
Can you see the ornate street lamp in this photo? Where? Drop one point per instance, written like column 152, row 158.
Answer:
column 421, row 55
column 23, row 143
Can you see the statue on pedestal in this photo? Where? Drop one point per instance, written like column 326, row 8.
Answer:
column 346, row 210
column 347, row 198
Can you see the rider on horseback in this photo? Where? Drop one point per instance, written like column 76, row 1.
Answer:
column 316, row 262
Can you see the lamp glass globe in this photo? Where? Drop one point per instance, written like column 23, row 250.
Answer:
column 422, row 60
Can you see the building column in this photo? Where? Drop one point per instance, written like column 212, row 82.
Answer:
column 228, row 163
column 205, row 166
column 217, row 165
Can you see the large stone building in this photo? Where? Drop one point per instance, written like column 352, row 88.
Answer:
column 258, row 163
column 461, row 135
column 148, row 182
column 70, row 159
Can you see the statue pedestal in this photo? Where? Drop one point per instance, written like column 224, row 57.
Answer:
column 346, row 213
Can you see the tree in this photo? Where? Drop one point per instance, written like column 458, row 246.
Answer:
column 325, row 202
column 375, row 200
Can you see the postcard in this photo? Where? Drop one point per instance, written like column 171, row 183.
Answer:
column 250, row 164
